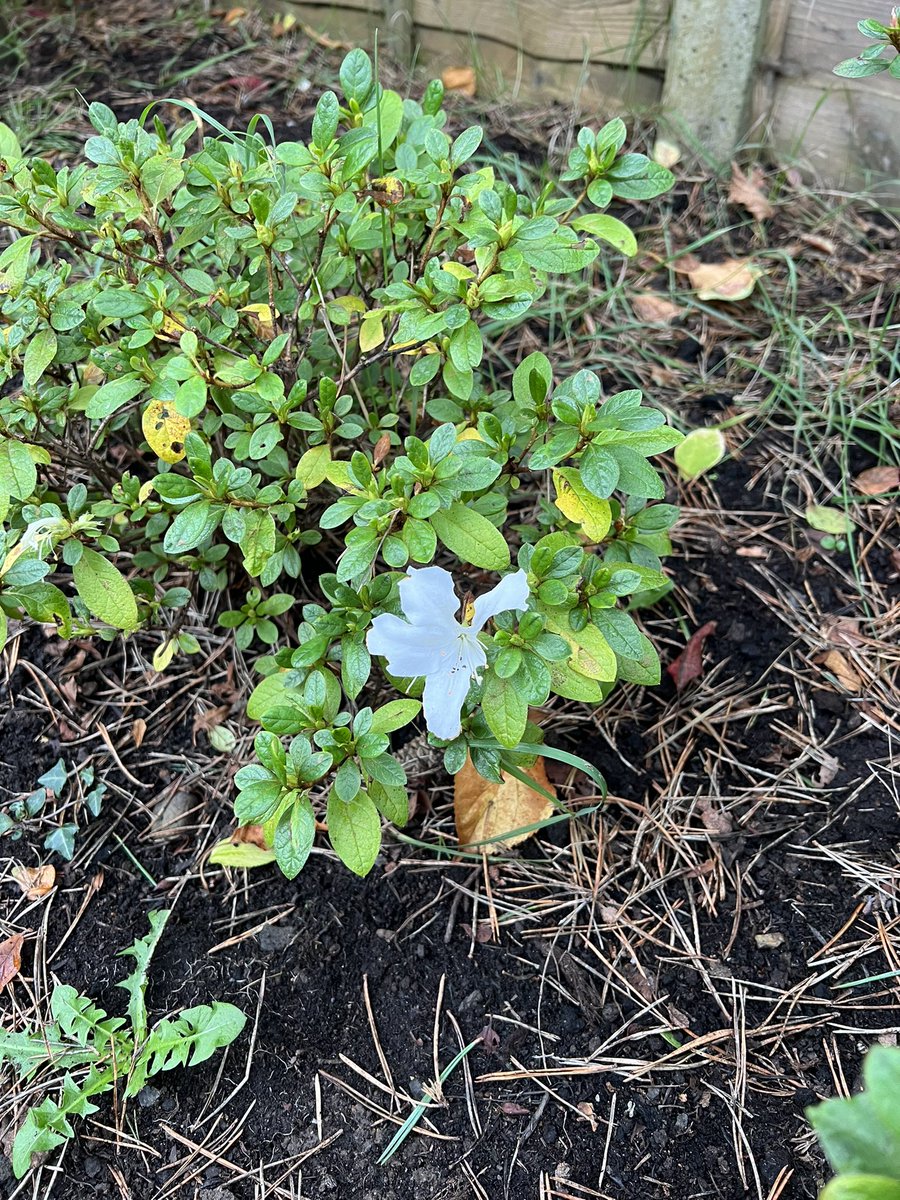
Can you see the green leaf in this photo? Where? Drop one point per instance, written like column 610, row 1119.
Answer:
column 471, row 537
column 192, row 526
column 258, row 540
column 39, row 355
column 505, row 709
column 18, row 474
column 105, row 591
column 14, row 262
column 394, row 715
column 136, row 983
column 354, row 830
column 700, row 451
column 860, row 68
column 828, row 519
column 861, row 1136
column 356, row 76
column 294, row 837
column 325, row 121
column 160, row 176
column 356, row 664
column 194, row 1036
column 10, row 148
column 111, row 396
column 861, row 1187
column 609, row 229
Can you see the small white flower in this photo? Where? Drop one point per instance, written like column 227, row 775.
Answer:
column 432, row 643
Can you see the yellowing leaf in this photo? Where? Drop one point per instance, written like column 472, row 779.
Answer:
column 371, row 333
column 173, row 326
column 469, row 434
column 700, row 451
column 164, row 654
column 459, row 79
column 591, row 653
column 575, row 502
column 244, row 855
column 828, row 519
column 312, row 469
column 458, row 271
column 165, row 430
column 338, row 473
column 263, row 319
column 486, row 811
column 350, row 304
column 666, row 154
column 734, row 279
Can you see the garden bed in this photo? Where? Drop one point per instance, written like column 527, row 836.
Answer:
column 661, row 983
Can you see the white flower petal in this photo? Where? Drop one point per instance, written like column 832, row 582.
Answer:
column 446, row 689
column 410, row 650
column 427, row 597
column 510, row 592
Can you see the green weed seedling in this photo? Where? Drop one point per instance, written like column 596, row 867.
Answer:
column 18, row 818
column 290, row 346
column 83, row 1052
column 861, row 1136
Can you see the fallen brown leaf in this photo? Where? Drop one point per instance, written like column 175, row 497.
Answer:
column 211, row 718
column 459, row 79
column 654, row 308
column 714, row 819
column 35, row 882
column 689, row 663
column 485, row 811
column 138, row 730
column 732, row 279
column 234, row 15
column 252, row 834
column 10, row 957
column 511, row 1109
column 748, row 191
column 841, row 668
column 877, row 480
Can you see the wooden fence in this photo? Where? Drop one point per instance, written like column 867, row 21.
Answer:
column 724, row 72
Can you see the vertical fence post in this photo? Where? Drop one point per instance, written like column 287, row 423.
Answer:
column 398, row 30
column 710, row 70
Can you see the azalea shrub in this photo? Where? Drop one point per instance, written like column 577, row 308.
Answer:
column 246, row 384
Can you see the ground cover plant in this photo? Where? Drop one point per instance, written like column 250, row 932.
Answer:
column 650, row 994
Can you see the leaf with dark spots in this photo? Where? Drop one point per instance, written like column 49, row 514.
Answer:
column 689, row 663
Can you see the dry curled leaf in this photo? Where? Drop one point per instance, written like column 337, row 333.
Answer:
column 459, row 79
column 748, row 190
column 654, row 308
column 840, row 667
column 769, row 941
column 666, row 154
column 732, row 279
column 10, row 957
column 138, row 730
column 486, row 811
column 35, row 882
column 689, row 663
column 877, row 480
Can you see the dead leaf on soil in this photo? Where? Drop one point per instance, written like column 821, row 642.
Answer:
column 689, row 663
column 35, row 882
column 511, row 1109
column 459, row 79
column 211, row 718
column 828, row 769
column 234, row 15
column 10, row 957
column 877, row 480
column 749, row 191
column 587, row 1111
column 485, row 811
column 840, row 667
column 666, row 154
column 714, row 819
column 654, row 308
column 732, row 279
column 138, row 730
column 769, row 941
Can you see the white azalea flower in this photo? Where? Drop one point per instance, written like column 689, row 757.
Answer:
column 432, row 643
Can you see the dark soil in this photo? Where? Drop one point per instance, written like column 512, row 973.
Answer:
column 725, row 1120
column 672, row 1132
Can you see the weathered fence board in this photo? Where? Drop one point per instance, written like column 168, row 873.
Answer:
column 615, row 54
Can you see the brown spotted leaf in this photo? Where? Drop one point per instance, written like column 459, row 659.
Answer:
column 486, row 811
column 689, row 663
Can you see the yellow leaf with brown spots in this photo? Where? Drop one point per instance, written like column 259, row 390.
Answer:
column 165, row 430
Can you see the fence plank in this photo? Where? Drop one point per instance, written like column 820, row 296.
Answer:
column 620, row 32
